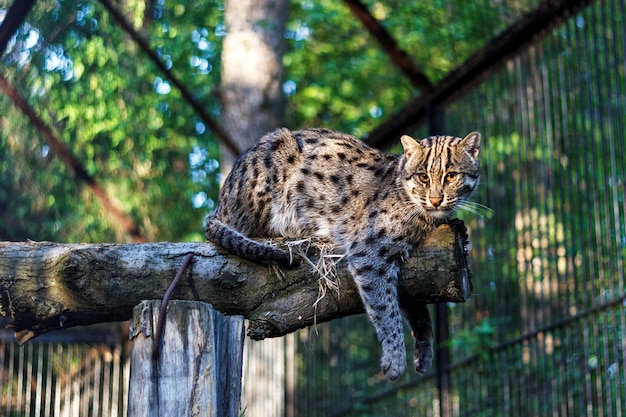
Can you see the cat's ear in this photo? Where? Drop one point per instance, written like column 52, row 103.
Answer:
column 471, row 144
column 410, row 145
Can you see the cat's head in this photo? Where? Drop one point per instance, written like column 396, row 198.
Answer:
column 441, row 172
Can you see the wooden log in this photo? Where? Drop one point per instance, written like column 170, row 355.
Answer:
column 198, row 371
column 46, row 286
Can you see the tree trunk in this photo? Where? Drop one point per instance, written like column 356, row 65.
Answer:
column 47, row 286
column 252, row 72
column 253, row 104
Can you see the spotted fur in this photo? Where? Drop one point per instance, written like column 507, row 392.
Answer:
column 374, row 207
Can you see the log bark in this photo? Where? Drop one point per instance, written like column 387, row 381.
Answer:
column 198, row 372
column 46, row 286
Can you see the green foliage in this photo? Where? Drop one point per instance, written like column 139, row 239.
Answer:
column 142, row 142
column 119, row 116
column 477, row 341
column 337, row 74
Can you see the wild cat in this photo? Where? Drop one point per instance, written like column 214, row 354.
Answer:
column 372, row 206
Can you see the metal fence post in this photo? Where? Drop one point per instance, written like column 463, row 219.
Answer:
column 442, row 353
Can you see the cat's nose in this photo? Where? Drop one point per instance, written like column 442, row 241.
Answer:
column 436, row 201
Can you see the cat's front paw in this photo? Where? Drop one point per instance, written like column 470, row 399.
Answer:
column 422, row 356
column 393, row 363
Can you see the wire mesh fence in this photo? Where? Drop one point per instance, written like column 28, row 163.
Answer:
column 62, row 378
column 543, row 334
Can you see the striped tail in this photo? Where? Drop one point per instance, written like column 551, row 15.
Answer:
column 241, row 245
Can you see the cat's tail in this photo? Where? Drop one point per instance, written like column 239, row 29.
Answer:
column 241, row 245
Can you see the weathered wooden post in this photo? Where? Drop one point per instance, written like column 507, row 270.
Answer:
column 198, row 370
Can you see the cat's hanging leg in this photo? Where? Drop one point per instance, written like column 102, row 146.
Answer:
column 421, row 326
column 377, row 279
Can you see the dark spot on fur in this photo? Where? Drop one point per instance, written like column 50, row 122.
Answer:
column 380, row 307
column 276, row 144
column 318, row 175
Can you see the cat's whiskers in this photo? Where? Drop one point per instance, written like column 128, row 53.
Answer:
column 475, row 208
column 407, row 207
column 412, row 214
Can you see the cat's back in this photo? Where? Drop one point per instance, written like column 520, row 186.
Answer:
column 289, row 177
column 316, row 152
column 336, row 152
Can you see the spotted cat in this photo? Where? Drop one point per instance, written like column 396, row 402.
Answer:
column 373, row 206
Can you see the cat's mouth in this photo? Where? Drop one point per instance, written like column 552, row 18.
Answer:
column 440, row 213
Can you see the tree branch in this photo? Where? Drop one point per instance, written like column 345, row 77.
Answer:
column 398, row 56
column 14, row 18
column 75, row 166
column 46, row 286
column 187, row 96
column 532, row 25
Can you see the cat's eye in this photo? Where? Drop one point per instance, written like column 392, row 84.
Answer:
column 423, row 177
column 450, row 176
